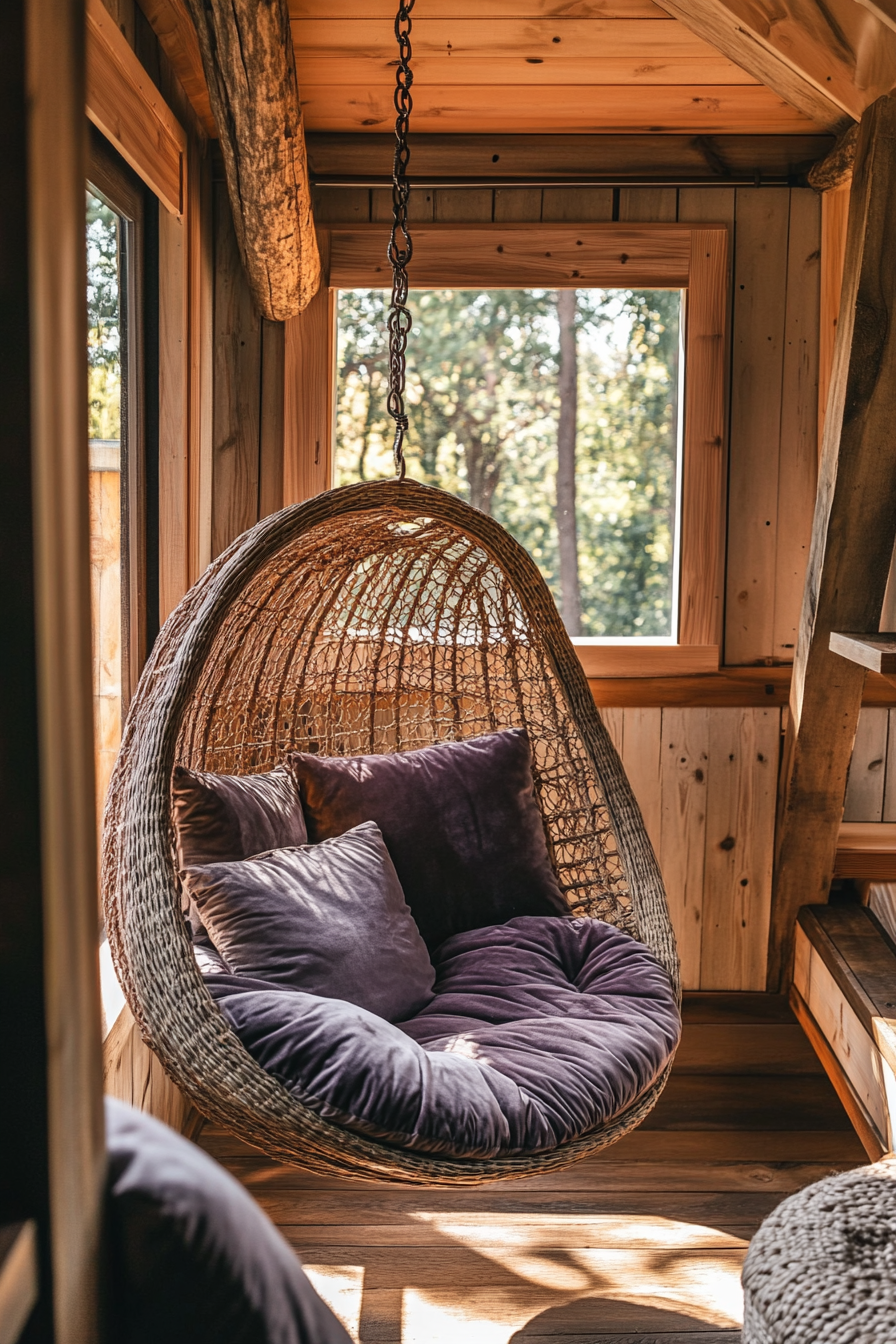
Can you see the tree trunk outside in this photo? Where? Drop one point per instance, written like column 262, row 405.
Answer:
column 571, row 603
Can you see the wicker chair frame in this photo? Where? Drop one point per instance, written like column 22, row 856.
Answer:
column 374, row 618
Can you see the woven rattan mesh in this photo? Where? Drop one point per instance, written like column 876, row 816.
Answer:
column 374, row 634
column 377, row 618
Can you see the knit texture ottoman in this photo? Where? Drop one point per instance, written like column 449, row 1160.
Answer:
column 822, row 1267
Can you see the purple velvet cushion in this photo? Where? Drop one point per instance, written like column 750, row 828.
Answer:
column 459, row 819
column 539, row 1030
column 219, row 818
column 193, row 1258
column 327, row 919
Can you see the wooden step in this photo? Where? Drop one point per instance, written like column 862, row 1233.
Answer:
column 844, row 994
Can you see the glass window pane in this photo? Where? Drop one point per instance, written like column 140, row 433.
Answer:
column 556, row 412
column 104, row 429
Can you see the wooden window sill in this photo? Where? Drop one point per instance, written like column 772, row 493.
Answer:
column 636, row 659
column 866, row 850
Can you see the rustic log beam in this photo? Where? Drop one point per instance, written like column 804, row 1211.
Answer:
column 830, row 61
column 249, row 65
column 852, row 541
column 835, row 169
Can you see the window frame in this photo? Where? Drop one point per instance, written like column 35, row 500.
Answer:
column 690, row 257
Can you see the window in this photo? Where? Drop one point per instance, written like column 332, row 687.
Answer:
column 678, row 501
column 556, row 411
column 117, row 484
column 104, row 360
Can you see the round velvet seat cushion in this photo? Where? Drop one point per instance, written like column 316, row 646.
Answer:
column 539, row 1030
column 822, row 1267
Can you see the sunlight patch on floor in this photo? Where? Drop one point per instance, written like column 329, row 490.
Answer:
column 604, row 1273
column 341, row 1287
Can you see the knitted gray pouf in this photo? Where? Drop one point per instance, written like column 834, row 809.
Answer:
column 822, row 1267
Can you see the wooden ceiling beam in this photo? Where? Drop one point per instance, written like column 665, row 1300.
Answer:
column 170, row 21
column 660, row 109
column 249, row 67
column 853, row 535
column 830, row 61
column 501, row 159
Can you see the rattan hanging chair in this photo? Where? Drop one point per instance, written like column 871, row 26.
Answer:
column 375, row 618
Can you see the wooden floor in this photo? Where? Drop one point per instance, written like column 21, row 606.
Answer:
column 642, row 1243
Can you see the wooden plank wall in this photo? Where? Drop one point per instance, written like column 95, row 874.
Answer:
column 247, row 412
column 871, row 791
column 706, row 778
column 706, row 782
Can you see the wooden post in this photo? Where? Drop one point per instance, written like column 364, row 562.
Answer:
column 852, row 541
column 51, row 1125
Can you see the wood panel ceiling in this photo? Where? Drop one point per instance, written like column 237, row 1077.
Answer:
column 526, row 66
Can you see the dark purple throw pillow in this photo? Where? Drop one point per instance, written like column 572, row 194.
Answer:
column 219, row 818
column 327, row 919
column 459, row 819
column 191, row 1257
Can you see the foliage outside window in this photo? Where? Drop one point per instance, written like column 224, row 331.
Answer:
column 104, row 430
column 556, row 412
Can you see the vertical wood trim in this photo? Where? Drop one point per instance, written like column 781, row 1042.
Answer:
column 463, row 206
column 798, row 458
column 517, row 205
column 684, row 767
column 834, row 215
column 868, row 768
column 648, row 204
column 740, row 831
column 237, row 388
column 57, row 280
column 270, row 465
column 174, row 416
column 760, row 288
column 341, row 205
column 201, row 315
column 889, row 811
column 706, row 205
column 420, row 206
column 309, row 389
column 577, row 205
column 702, row 530
column 641, row 758
column 614, row 722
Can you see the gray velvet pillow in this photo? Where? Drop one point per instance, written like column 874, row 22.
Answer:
column 329, row 919
column 219, row 818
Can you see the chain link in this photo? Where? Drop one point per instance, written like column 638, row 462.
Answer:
column 400, row 247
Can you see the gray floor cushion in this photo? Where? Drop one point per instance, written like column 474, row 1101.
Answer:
column 822, row 1267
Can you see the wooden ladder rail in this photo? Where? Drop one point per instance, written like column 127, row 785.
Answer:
column 853, row 535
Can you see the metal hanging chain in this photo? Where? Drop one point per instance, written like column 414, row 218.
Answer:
column 400, row 248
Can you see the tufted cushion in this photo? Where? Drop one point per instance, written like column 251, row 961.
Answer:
column 193, row 1258
column 822, row 1267
column 540, row 1030
column 460, row 820
column 329, row 919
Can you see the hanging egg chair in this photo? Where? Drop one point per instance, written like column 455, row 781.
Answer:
column 374, row 619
